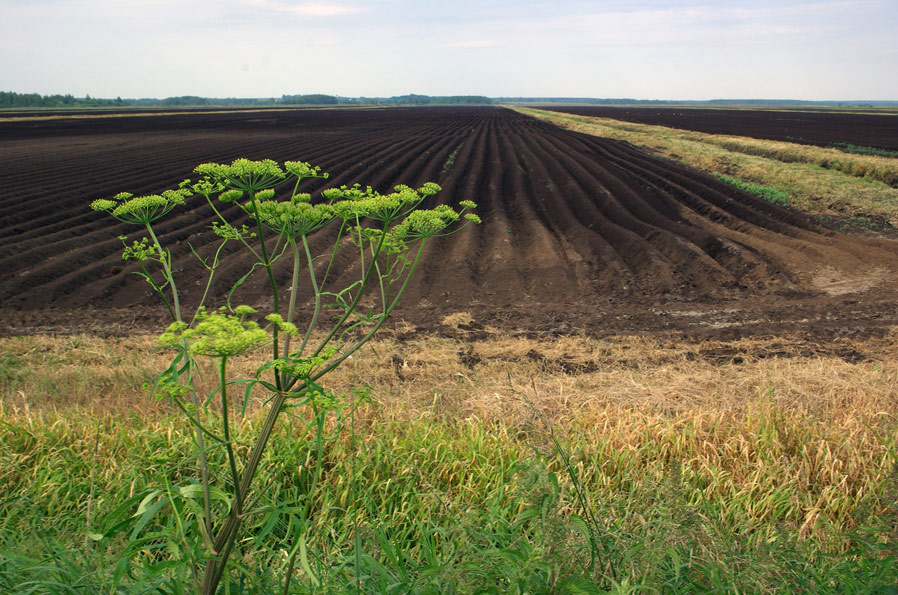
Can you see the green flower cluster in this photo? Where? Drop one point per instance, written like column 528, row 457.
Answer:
column 243, row 174
column 302, row 169
column 229, row 232
column 301, row 367
column 141, row 251
column 278, row 321
column 390, row 244
column 207, row 187
column 143, row 210
column 217, row 334
column 292, row 218
column 425, row 223
column 358, row 203
column 167, row 388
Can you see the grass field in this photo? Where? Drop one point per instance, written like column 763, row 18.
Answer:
column 498, row 465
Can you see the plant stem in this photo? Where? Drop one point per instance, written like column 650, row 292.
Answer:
column 275, row 302
column 165, row 258
column 334, row 363
column 224, row 541
column 294, row 289
column 317, row 291
column 90, row 495
column 201, row 446
column 226, row 432
column 355, row 301
column 200, row 441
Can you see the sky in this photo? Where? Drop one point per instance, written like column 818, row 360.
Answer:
column 642, row 49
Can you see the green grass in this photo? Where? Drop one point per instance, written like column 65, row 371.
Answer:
column 862, row 150
column 773, row 195
column 657, row 472
column 437, row 507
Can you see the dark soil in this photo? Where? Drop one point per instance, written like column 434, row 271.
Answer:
column 580, row 234
column 826, row 129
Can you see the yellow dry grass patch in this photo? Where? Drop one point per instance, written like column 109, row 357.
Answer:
column 772, row 426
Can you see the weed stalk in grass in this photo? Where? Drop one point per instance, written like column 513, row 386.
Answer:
column 388, row 232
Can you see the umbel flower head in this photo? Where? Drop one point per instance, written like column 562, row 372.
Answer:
column 358, row 203
column 143, row 210
column 217, row 334
column 243, row 174
column 294, row 218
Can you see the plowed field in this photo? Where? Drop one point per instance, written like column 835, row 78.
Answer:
column 821, row 128
column 579, row 232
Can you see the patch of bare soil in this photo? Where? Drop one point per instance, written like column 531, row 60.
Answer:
column 580, row 234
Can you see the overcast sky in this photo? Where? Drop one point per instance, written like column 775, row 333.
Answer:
column 644, row 49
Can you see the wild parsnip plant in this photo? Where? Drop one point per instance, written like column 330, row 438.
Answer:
column 388, row 232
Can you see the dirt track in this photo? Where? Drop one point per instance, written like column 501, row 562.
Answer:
column 579, row 232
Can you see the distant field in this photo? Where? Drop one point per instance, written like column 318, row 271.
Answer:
column 579, row 232
column 818, row 127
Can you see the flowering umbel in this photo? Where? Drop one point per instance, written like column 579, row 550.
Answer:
column 143, row 210
column 217, row 334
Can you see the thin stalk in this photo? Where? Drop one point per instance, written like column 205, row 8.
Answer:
column 334, row 363
column 291, row 564
column 275, row 302
column 225, row 221
column 314, row 321
column 358, row 229
column 357, row 539
column 214, row 266
column 201, row 443
column 224, row 541
column 166, row 265
column 330, row 263
column 157, row 289
column 294, row 289
column 380, row 278
column 181, row 532
column 201, row 446
column 90, row 495
column 355, row 301
column 226, row 432
column 266, row 261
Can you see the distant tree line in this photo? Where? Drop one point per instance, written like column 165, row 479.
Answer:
column 9, row 99
column 311, row 99
column 413, row 99
column 12, row 99
column 197, row 101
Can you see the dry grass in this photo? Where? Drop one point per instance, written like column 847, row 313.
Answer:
column 820, row 181
column 768, row 428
